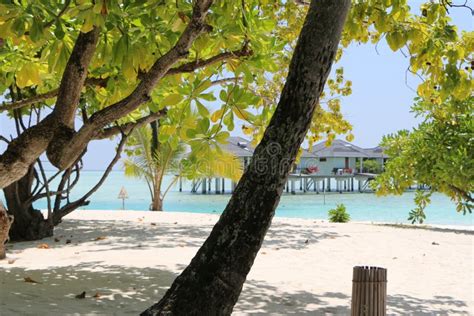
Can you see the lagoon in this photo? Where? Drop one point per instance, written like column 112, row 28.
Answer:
column 361, row 206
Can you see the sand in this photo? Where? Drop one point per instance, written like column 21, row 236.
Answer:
column 304, row 267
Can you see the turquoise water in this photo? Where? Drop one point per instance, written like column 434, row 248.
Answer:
column 361, row 206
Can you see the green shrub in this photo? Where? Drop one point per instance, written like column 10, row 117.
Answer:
column 339, row 214
column 372, row 166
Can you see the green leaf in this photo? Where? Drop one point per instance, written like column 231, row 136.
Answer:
column 59, row 31
column 202, row 109
column 36, row 31
column 222, row 137
column 172, row 99
column 396, row 40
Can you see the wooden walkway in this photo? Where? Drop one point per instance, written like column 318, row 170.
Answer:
column 303, row 183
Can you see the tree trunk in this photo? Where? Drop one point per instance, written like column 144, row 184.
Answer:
column 212, row 282
column 5, row 223
column 157, row 203
column 29, row 223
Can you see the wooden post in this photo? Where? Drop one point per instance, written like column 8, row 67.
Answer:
column 218, row 186
column 204, row 186
column 223, row 185
column 293, row 186
column 369, row 291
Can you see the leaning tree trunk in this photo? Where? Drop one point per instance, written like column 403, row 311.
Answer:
column 212, row 282
column 29, row 223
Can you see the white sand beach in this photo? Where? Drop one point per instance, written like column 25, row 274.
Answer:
column 129, row 259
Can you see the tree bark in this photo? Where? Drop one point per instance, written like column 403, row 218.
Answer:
column 212, row 282
column 29, row 223
column 5, row 223
column 22, row 152
column 56, row 133
column 63, row 156
column 157, row 202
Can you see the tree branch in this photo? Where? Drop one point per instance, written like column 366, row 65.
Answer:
column 8, row 106
column 68, row 208
column 102, row 82
column 28, row 101
column 62, row 153
column 27, row 147
column 245, row 51
column 126, row 128
column 63, row 10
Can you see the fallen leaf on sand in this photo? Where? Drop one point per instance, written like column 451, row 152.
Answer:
column 176, row 222
column 307, row 241
column 435, row 243
column 100, row 238
column 82, row 295
column 68, row 241
column 96, row 295
column 43, row 246
column 56, row 239
column 263, row 253
column 153, row 224
column 30, row 280
column 11, row 261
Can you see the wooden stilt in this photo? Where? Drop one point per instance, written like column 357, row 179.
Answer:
column 217, row 186
column 204, row 186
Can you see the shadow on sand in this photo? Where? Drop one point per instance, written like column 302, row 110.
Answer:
column 128, row 291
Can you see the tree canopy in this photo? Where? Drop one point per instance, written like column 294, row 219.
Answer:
column 116, row 64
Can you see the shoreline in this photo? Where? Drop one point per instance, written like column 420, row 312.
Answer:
column 444, row 227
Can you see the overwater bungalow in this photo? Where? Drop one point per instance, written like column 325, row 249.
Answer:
column 325, row 168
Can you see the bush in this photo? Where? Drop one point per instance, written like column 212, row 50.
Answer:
column 339, row 214
column 372, row 166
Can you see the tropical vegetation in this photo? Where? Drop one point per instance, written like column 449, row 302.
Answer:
column 339, row 214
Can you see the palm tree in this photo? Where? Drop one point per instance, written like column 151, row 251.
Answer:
column 151, row 160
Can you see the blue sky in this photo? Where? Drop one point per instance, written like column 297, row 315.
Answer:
column 380, row 102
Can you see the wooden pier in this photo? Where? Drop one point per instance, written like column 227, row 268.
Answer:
column 297, row 183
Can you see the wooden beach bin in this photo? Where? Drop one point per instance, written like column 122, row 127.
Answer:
column 369, row 291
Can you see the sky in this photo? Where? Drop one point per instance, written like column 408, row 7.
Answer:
column 380, row 102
